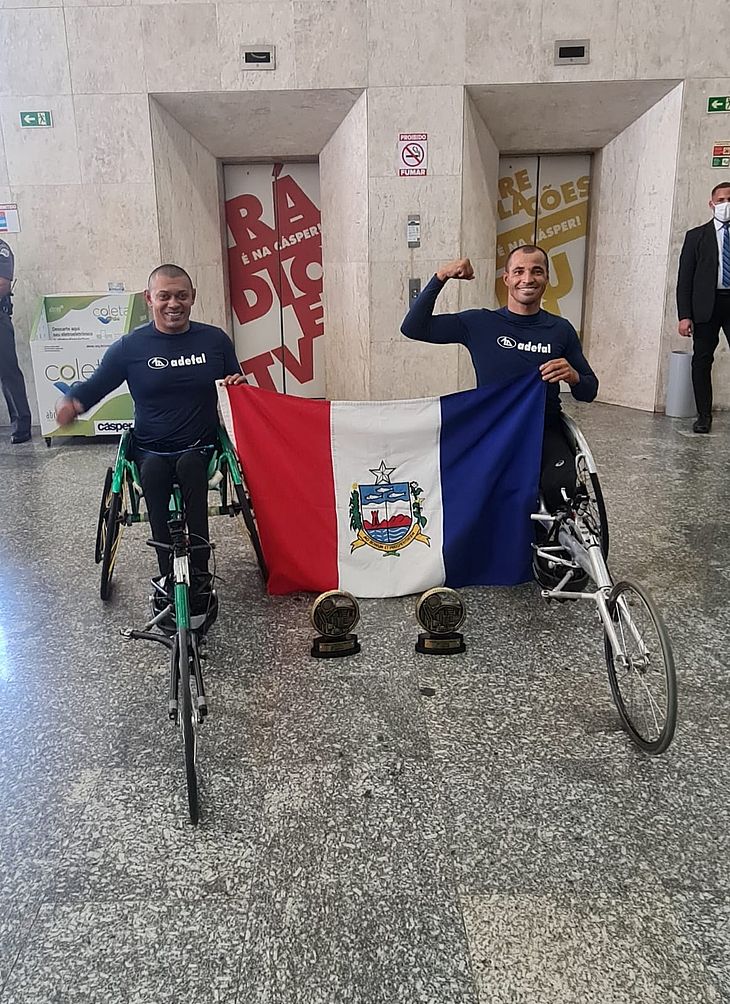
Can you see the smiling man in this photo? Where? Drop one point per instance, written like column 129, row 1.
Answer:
column 170, row 366
column 509, row 342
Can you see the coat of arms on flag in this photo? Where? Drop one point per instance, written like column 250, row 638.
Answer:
column 387, row 515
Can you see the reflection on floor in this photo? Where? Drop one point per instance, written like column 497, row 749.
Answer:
column 499, row 840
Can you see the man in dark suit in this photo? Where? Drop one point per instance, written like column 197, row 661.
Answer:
column 703, row 296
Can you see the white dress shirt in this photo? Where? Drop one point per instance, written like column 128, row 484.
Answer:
column 719, row 231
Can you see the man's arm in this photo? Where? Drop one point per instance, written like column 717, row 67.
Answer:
column 574, row 369
column 586, row 387
column 442, row 329
column 685, row 280
column 111, row 373
column 5, row 286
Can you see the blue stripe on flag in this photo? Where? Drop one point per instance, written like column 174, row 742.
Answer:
column 491, row 445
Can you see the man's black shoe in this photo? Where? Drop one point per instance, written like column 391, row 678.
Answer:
column 161, row 597
column 702, row 424
column 20, row 437
column 201, row 591
column 203, row 601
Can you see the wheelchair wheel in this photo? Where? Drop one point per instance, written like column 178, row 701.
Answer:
column 597, row 506
column 187, row 718
column 248, row 518
column 103, row 510
column 111, row 521
column 641, row 674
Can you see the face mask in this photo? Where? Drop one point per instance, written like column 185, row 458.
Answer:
column 722, row 212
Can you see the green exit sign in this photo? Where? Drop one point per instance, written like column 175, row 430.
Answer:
column 36, row 120
column 721, row 104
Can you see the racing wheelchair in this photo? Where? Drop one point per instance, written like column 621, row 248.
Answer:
column 121, row 503
column 570, row 563
column 175, row 623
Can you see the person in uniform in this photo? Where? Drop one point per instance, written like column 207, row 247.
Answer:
column 171, row 366
column 11, row 376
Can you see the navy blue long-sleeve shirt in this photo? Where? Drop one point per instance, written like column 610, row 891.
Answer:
column 172, row 382
column 502, row 344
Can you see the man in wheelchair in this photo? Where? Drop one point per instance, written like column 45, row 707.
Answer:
column 506, row 343
column 170, row 366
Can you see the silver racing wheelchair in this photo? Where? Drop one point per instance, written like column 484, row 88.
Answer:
column 570, row 563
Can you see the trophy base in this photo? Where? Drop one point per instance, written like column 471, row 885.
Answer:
column 335, row 648
column 440, row 644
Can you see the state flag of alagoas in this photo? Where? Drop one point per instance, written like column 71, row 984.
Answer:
column 387, row 498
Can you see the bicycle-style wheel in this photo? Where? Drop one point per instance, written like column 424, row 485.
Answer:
column 597, row 506
column 110, row 533
column 641, row 673
column 187, row 719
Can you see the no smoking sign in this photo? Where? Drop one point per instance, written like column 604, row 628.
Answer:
column 412, row 154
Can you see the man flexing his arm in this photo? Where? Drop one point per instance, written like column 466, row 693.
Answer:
column 508, row 342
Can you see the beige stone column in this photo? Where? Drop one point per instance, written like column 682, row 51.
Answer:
column 401, row 368
column 189, row 207
column 345, row 257
column 629, row 268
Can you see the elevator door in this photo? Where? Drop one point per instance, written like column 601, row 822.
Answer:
column 275, row 274
column 544, row 200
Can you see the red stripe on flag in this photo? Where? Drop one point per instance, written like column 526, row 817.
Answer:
column 284, row 447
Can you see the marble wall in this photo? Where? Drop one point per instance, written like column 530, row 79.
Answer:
column 343, row 182
column 479, row 175
column 628, row 255
column 190, row 213
column 91, row 189
column 399, row 367
column 695, row 181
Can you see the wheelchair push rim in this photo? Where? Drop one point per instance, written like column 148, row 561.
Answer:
column 596, row 504
column 109, row 533
column 641, row 673
column 236, row 501
column 103, row 512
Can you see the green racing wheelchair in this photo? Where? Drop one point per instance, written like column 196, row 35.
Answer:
column 121, row 503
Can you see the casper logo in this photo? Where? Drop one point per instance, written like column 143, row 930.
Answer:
column 110, row 427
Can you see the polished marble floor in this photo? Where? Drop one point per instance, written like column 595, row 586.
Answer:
column 388, row 828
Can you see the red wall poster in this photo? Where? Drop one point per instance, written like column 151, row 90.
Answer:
column 275, row 268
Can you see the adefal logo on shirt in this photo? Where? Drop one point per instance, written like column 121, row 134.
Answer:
column 505, row 342
column 160, row 363
column 189, row 360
